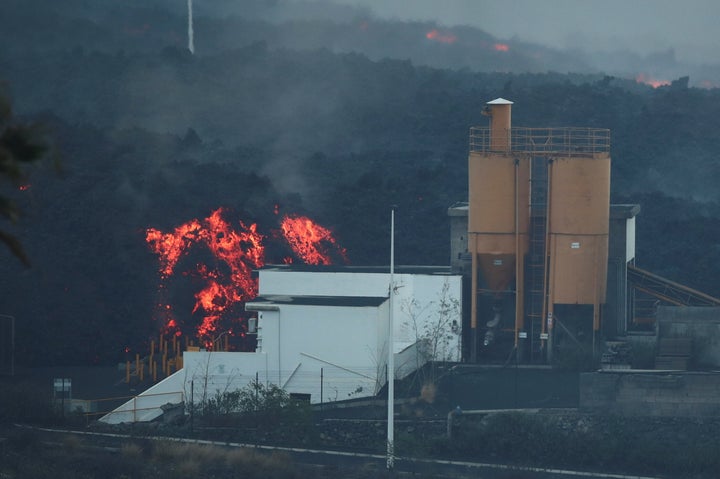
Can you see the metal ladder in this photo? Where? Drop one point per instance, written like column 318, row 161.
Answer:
column 537, row 275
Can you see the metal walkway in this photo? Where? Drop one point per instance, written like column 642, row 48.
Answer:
column 667, row 291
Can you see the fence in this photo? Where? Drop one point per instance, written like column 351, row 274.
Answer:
column 567, row 141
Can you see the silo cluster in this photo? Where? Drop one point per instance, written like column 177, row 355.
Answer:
column 538, row 223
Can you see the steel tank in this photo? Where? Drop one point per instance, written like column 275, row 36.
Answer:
column 498, row 213
column 499, row 194
column 579, row 212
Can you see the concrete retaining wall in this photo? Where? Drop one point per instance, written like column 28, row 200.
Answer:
column 700, row 324
column 647, row 393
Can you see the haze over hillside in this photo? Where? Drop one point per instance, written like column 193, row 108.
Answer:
column 613, row 35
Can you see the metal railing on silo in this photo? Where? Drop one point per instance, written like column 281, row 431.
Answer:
column 564, row 141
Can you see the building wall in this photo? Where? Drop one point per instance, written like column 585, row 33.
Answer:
column 651, row 394
column 460, row 258
column 621, row 251
column 314, row 283
column 347, row 343
column 327, row 352
column 419, row 300
column 699, row 323
column 207, row 373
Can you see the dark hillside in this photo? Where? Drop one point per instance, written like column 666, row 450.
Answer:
column 152, row 136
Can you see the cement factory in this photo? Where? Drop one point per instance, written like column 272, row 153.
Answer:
column 542, row 267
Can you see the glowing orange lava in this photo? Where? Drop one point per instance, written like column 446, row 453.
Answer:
column 501, row 47
column 641, row 78
column 435, row 35
column 229, row 282
column 237, row 251
column 310, row 241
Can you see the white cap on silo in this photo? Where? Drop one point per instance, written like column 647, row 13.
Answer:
column 500, row 101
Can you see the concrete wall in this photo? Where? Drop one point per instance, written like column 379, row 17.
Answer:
column 644, row 393
column 699, row 323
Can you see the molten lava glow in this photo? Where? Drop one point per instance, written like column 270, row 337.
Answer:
column 501, row 47
column 310, row 241
column 171, row 246
column 24, row 187
column 641, row 78
column 435, row 35
column 237, row 251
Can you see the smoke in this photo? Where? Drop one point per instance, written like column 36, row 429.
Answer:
column 191, row 34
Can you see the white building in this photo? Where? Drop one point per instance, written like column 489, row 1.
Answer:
column 322, row 335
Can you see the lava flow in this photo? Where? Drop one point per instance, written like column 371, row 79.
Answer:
column 310, row 241
column 642, row 78
column 436, row 36
column 236, row 252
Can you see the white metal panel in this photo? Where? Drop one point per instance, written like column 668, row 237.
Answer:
column 630, row 239
column 418, row 297
column 311, row 283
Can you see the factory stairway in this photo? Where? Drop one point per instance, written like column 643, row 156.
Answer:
column 662, row 290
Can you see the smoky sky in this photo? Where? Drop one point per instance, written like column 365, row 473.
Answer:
column 642, row 26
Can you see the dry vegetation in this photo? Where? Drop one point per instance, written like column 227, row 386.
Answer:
column 30, row 454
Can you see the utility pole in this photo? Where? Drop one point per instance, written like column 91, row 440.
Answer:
column 391, row 357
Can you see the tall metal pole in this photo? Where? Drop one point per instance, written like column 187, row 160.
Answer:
column 191, row 32
column 391, row 357
column 12, row 346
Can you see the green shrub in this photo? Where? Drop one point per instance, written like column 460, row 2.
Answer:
column 258, row 413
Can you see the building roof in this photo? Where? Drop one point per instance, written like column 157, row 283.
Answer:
column 261, row 302
column 402, row 269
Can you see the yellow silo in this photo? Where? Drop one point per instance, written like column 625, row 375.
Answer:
column 579, row 222
column 562, row 175
column 499, row 193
